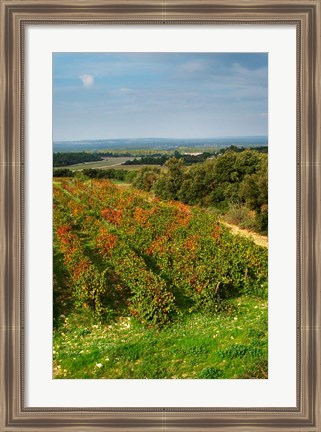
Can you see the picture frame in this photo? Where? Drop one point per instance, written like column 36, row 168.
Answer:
column 15, row 16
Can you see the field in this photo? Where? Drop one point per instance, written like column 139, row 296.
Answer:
column 150, row 289
column 109, row 162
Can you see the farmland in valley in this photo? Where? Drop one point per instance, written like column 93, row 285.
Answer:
column 146, row 288
column 107, row 162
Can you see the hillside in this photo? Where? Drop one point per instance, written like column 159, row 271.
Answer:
column 135, row 276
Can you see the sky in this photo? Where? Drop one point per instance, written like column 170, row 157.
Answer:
column 159, row 95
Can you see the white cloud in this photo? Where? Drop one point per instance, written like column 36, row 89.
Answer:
column 125, row 90
column 87, row 80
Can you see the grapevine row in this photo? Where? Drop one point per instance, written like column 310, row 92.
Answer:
column 160, row 252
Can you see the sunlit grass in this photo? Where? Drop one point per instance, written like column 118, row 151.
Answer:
column 230, row 345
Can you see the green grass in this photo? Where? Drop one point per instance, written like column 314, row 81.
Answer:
column 231, row 344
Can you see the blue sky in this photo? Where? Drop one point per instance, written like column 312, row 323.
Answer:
column 165, row 95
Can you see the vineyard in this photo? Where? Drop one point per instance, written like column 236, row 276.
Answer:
column 139, row 280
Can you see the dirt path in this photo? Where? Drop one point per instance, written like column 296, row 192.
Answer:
column 257, row 238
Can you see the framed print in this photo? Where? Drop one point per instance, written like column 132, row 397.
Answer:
column 168, row 238
column 147, row 148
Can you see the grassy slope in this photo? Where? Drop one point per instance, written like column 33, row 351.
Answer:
column 227, row 345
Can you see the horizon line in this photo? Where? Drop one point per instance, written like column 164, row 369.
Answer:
column 160, row 138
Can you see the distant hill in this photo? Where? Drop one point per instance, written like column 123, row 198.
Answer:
column 157, row 143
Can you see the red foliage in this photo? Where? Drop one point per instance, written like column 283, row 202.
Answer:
column 112, row 216
column 158, row 245
column 106, row 242
column 217, row 232
column 191, row 243
column 141, row 216
column 62, row 230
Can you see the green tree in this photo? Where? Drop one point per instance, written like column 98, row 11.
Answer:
column 168, row 184
column 63, row 172
column 146, row 178
column 193, row 188
column 254, row 193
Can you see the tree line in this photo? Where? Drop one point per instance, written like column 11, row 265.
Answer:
column 160, row 160
column 71, row 158
column 233, row 181
column 230, row 179
column 109, row 173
